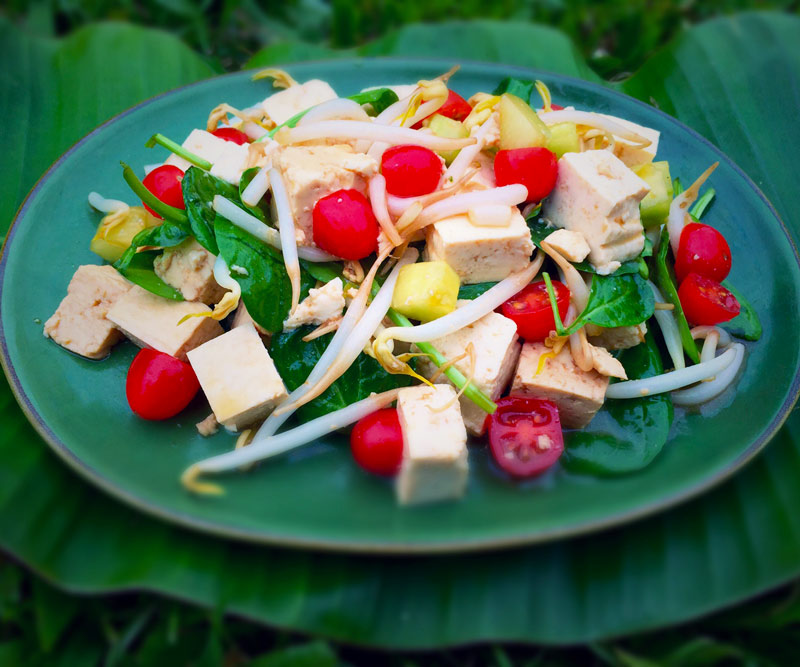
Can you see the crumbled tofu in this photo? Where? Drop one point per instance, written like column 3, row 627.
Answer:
column 607, row 365
column 313, row 172
column 281, row 106
column 494, row 340
column 230, row 164
column 628, row 151
column 201, row 143
column 242, row 318
column 238, row 377
column 480, row 254
column 152, row 321
column 208, row 427
column 434, row 465
column 79, row 323
column 617, row 338
column 577, row 394
column 570, row 244
column 189, row 267
column 322, row 304
column 598, row 196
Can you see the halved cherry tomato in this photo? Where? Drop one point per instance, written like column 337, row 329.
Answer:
column 531, row 311
column 535, row 168
column 556, row 107
column 705, row 301
column 165, row 183
column 455, row 107
column 344, row 225
column 525, row 435
column 159, row 386
column 411, row 170
column 704, row 251
column 231, row 134
column 376, row 442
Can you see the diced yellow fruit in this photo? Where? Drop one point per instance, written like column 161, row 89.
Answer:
column 563, row 139
column 442, row 126
column 116, row 231
column 426, row 291
column 520, row 127
column 654, row 207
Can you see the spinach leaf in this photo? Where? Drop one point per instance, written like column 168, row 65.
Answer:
column 138, row 268
column 522, row 88
column 199, row 188
column 247, row 176
column 324, row 272
column 616, row 301
column 474, row 291
column 746, row 324
column 665, row 281
column 626, row 435
column 379, row 99
column 295, row 358
column 266, row 290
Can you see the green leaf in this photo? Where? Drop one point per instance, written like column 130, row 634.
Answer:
column 378, row 99
column 324, row 272
column 138, row 268
column 247, row 176
column 522, row 88
column 627, row 434
column 312, row 654
column 199, row 190
column 54, row 611
column 474, row 291
column 616, row 301
column 295, row 359
column 746, row 324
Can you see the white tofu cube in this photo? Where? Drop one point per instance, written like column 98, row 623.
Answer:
column 617, row 338
column 321, row 305
column 238, row 377
column 434, row 463
column 480, row 254
column 494, row 340
column 281, row 106
column 577, row 394
column 627, row 151
column 570, row 244
column 483, row 178
column 189, row 267
column 598, row 196
column 230, row 164
column 313, row 172
column 201, row 143
column 152, row 321
column 79, row 323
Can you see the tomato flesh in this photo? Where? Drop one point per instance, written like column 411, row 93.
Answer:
column 704, row 251
column 705, row 301
column 344, row 225
column 531, row 311
column 231, row 134
column 455, row 107
column 165, row 183
column 535, row 168
column 158, row 385
column 411, row 170
column 376, row 442
column 525, row 435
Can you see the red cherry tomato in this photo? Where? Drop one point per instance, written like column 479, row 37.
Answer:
column 231, row 134
column 525, row 435
column 159, row 386
column 704, row 251
column 455, row 107
column 411, row 170
column 376, row 442
column 531, row 311
column 344, row 225
column 535, row 168
column 165, row 183
column 705, row 301
column 556, row 107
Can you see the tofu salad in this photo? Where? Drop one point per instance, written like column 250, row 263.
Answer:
column 416, row 267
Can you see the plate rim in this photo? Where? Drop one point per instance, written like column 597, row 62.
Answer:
column 358, row 546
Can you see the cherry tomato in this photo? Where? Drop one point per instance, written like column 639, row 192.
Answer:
column 344, row 225
column 525, row 435
column 535, row 168
column 556, row 107
column 159, row 386
column 376, row 442
column 165, row 183
column 531, row 311
column 704, row 251
column 411, row 170
column 455, row 107
column 705, row 301
column 231, row 134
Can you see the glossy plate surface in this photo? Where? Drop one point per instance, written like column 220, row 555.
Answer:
column 316, row 496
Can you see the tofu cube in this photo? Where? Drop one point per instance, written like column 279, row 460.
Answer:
column 570, row 244
column 242, row 318
column 434, row 465
column 577, row 394
column 230, row 164
column 598, row 196
column 79, row 323
column 480, row 254
column 201, row 143
column 238, row 377
column 151, row 321
column 322, row 304
column 617, row 338
column 281, row 106
column 189, row 267
column 313, row 172
column 494, row 340
column 627, row 151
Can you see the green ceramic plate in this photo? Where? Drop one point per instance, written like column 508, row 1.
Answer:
column 316, row 497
